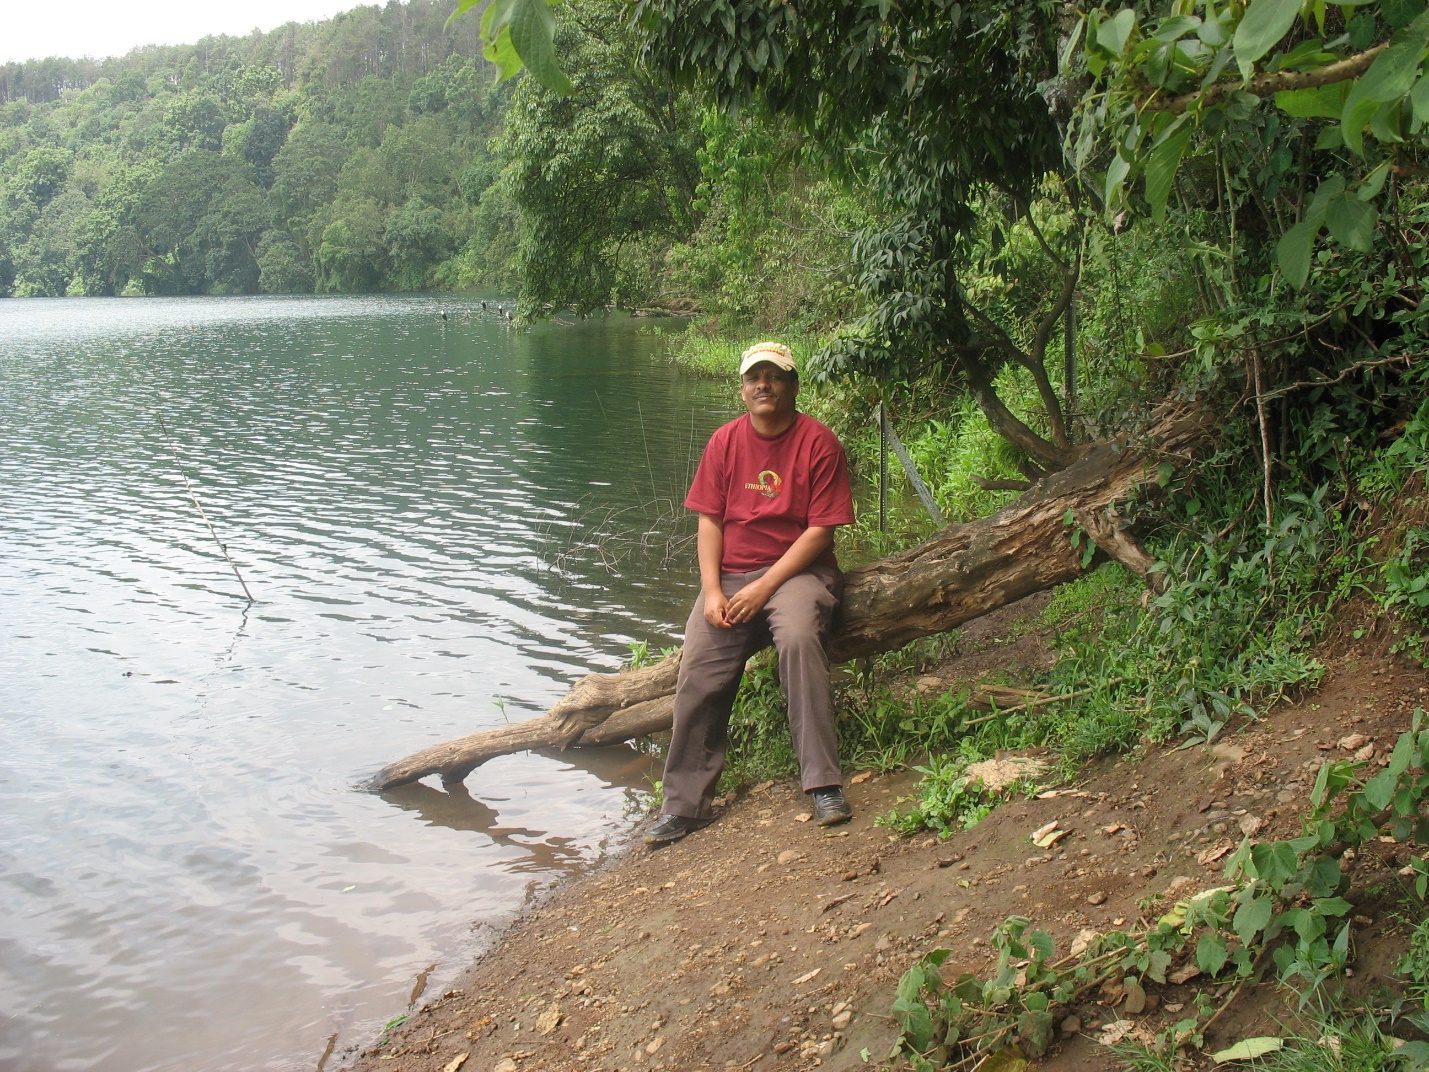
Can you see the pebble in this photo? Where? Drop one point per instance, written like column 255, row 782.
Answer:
column 1070, row 1026
column 789, row 856
column 506, row 1064
column 842, row 1020
column 1097, row 898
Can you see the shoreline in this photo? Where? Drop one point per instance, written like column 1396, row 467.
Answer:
column 763, row 942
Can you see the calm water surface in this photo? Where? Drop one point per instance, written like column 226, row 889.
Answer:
column 444, row 522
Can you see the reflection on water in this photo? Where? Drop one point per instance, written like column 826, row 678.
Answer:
column 443, row 522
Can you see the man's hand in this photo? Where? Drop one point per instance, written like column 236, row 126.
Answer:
column 747, row 602
column 716, row 610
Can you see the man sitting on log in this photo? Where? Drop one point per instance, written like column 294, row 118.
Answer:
column 770, row 490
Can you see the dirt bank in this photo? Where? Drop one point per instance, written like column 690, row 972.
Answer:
column 764, row 942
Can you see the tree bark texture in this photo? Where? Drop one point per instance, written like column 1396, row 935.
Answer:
column 963, row 572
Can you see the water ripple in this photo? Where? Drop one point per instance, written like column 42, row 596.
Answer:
column 444, row 524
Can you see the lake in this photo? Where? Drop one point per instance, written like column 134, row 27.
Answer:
column 443, row 522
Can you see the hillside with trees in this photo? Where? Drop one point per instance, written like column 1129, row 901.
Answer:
column 348, row 155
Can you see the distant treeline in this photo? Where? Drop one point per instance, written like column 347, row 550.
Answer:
column 348, row 155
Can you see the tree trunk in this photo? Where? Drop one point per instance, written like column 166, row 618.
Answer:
column 963, row 572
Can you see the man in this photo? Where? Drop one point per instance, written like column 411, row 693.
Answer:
column 770, row 490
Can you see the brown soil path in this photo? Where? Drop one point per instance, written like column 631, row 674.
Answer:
column 766, row 943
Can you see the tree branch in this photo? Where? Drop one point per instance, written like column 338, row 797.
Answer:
column 1264, row 85
column 1108, row 531
column 1071, row 272
column 1004, row 422
column 1000, row 485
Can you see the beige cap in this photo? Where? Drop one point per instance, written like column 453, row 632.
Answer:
column 775, row 353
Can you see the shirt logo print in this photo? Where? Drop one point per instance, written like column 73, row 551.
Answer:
column 769, row 484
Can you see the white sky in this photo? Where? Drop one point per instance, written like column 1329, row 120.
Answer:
column 34, row 30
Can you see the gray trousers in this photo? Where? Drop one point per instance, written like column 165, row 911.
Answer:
column 796, row 620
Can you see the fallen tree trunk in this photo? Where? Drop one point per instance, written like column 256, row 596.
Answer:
column 963, row 572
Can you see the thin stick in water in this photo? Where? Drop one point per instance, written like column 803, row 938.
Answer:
column 194, row 499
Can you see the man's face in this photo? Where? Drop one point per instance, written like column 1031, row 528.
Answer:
column 769, row 392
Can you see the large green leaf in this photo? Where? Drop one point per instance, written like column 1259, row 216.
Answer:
column 1333, row 906
column 1162, row 163
column 520, row 33
column 1400, row 12
column 1252, row 917
column 1175, row 27
column 1352, row 222
column 1116, row 173
column 533, row 31
column 1396, row 68
column 1112, row 34
column 1275, row 861
column 1250, row 1049
column 1323, row 102
column 1389, row 78
column 1419, row 98
column 1264, row 24
column 1379, row 790
column 1326, row 192
column 1293, row 252
column 1211, row 953
column 916, row 1021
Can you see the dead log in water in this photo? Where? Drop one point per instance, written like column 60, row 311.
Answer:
column 959, row 574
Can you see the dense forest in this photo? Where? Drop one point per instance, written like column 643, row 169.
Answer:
column 348, row 155
column 378, row 151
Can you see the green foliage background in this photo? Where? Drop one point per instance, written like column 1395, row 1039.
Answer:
column 348, row 155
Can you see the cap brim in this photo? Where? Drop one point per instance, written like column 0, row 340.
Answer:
column 786, row 363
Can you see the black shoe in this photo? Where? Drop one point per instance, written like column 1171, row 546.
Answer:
column 672, row 828
column 830, row 806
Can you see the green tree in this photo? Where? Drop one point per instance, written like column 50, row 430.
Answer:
column 49, row 261
column 417, row 239
column 306, row 168
column 932, row 107
column 200, row 219
column 219, row 166
column 349, row 254
column 605, row 177
column 283, row 265
column 41, row 174
column 260, row 139
column 194, row 120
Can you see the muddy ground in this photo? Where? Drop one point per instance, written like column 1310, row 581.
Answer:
column 764, row 942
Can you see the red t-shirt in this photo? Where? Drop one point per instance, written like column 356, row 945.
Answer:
column 769, row 490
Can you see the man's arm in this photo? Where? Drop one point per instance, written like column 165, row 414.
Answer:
column 709, row 549
column 750, row 599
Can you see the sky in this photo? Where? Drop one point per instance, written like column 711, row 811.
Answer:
column 30, row 30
